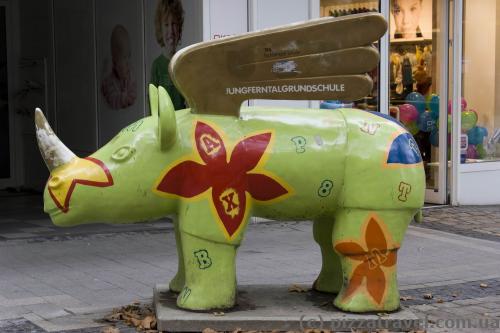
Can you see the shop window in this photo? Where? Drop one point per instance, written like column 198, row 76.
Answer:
column 338, row 8
column 414, row 75
column 480, row 109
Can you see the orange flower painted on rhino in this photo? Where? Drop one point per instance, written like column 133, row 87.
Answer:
column 373, row 254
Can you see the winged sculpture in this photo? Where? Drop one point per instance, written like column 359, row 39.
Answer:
column 357, row 175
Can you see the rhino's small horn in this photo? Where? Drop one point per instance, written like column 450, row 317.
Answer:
column 54, row 152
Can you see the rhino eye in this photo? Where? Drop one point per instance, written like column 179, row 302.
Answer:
column 123, row 153
column 55, row 182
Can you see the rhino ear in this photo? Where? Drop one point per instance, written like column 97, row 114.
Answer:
column 167, row 126
column 153, row 100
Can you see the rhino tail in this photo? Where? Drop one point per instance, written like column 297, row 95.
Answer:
column 419, row 218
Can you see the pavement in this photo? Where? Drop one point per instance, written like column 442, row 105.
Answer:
column 65, row 279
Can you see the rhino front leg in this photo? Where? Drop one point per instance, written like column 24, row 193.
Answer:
column 210, row 274
column 367, row 242
column 177, row 282
column 329, row 279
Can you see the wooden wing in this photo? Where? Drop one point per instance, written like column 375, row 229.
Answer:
column 327, row 58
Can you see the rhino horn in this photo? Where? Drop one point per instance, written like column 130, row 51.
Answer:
column 54, row 152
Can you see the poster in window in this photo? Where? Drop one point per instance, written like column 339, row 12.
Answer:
column 411, row 19
column 120, row 87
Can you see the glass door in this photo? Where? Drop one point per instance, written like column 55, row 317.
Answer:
column 418, row 83
column 6, row 121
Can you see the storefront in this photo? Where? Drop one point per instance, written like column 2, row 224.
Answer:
column 450, row 108
column 438, row 78
column 441, row 81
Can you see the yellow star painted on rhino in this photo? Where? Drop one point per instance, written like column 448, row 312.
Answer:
column 85, row 171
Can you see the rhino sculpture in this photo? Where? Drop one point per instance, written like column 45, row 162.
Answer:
column 358, row 175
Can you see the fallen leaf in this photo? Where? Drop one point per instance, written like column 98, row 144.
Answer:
column 406, row 298
column 218, row 313
column 149, row 323
column 296, row 289
column 134, row 321
column 428, row 296
column 110, row 329
column 483, row 285
column 209, row 330
column 440, row 301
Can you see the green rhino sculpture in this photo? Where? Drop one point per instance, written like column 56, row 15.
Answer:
column 358, row 175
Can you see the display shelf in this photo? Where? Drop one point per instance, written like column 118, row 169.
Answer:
column 411, row 41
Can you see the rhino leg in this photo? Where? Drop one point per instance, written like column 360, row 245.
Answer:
column 210, row 274
column 329, row 279
column 177, row 282
column 367, row 242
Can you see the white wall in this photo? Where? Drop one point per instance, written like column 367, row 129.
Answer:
column 479, row 59
column 271, row 13
column 479, row 184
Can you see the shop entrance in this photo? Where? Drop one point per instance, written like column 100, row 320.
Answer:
column 412, row 82
column 419, row 83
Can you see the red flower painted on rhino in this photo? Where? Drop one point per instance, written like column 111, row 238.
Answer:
column 229, row 181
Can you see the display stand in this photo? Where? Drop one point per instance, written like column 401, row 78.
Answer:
column 275, row 308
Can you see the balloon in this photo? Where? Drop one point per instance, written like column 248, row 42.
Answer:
column 481, row 152
column 472, row 152
column 407, row 113
column 332, row 105
column 434, row 106
column 477, row 134
column 412, row 128
column 435, row 138
column 463, row 103
column 425, row 122
column 417, row 100
column 469, row 120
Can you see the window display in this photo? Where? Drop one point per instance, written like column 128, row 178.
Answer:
column 414, row 75
column 480, row 111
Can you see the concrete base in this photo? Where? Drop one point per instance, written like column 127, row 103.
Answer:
column 273, row 307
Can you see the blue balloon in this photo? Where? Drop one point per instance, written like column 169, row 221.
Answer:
column 476, row 135
column 417, row 100
column 425, row 122
column 435, row 138
column 434, row 106
column 332, row 105
column 329, row 105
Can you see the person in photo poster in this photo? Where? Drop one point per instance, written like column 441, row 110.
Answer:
column 407, row 18
column 119, row 88
column 169, row 19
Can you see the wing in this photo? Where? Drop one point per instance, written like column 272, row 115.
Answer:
column 321, row 59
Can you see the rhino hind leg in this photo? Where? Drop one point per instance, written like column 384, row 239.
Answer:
column 367, row 242
column 177, row 283
column 210, row 274
column 329, row 279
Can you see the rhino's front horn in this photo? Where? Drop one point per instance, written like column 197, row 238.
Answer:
column 54, row 152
